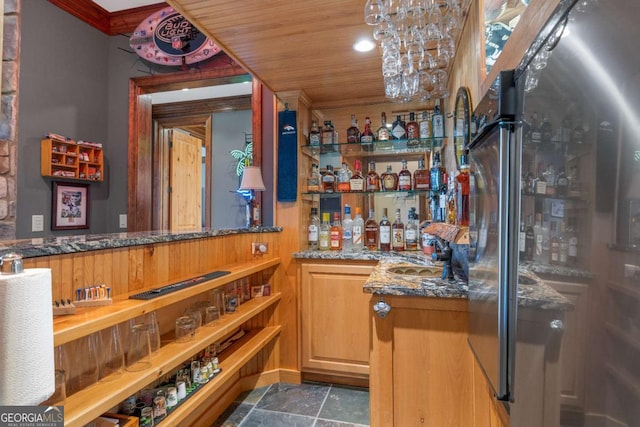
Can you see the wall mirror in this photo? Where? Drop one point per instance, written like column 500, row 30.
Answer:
column 461, row 122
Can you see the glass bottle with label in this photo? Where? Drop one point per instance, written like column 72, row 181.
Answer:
column 324, row 241
column 385, row 232
column 554, row 252
column 530, row 240
column 522, row 241
column 397, row 233
column 389, row 180
column 328, row 180
column 421, row 179
column 411, row 231
column 462, row 192
column 314, row 180
column 328, row 133
column 335, row 233
column 437, row 174
column 358, row 231
column 413, row 131
column 353, row 133
column 373, row 179
column 452, row 206
column 356, row 183
column 404, row 178
column 572, row 241
column 371, row 232
column 546, row 130
column 398, row 128
column 314, row 230
column 314, row 134
column 367, row 136
column 426, row 127
column 437, row 123
column 344, row 179
column 536, row 133
column 347, row 230
column 383, row 135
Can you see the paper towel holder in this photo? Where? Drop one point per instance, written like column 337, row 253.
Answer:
column 11, row 263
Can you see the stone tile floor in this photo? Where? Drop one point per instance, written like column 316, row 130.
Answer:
column 303, row 405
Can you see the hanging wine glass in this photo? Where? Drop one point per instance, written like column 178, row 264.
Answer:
column 374, row 12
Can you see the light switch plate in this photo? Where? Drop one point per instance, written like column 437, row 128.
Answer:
column 37, row 223
column 123, row 220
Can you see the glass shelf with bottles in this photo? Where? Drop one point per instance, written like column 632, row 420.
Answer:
column 376, row 148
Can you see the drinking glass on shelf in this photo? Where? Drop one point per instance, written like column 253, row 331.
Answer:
column 219, row 301
column 185, row 328
column 231, row 302
column 151, row 320
column 138, row 356
column 196, row 315
column 59, row 395
column 212, row 315
column 84, row 371
column 112, row 364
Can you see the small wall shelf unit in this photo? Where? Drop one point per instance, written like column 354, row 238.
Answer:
column 71, row 160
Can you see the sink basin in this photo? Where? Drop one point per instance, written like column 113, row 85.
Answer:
column 417, row 271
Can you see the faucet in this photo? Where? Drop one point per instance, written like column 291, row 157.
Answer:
column 444, row 254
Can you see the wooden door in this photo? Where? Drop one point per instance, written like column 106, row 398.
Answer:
column 185, row 182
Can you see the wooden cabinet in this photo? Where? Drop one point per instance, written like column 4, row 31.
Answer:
column 257, row 315
column 334, row 319
column 421, row 364
column 72, row 160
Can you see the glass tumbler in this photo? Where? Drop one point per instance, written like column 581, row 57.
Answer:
column 218, row 300
column 112, row 350
column 185, row 328
column 212, row 315
column 139, row 348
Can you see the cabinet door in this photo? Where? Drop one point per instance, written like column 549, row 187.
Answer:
column 421, row 364
column 335, row 319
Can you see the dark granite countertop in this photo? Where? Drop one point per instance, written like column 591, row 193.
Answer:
column 31, row 248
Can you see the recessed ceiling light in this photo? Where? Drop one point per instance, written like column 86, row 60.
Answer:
column 185, row 89
column 364, row 45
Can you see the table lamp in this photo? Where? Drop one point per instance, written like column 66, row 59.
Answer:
column 252, row 181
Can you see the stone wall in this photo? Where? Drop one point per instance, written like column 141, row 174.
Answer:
column 9, row 118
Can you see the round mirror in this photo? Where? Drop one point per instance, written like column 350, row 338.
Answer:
column 461, row 122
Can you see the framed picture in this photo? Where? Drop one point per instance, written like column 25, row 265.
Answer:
column 70, row 206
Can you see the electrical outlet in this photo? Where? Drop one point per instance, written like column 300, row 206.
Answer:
column 631, row 271
column 37, row 223
column 258, row 248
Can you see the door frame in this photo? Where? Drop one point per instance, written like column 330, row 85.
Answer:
column 140, row 161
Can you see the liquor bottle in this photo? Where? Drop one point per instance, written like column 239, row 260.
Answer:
column 371, row 230
column 438, row 123
column 462, row 192
column 537, row 230
column 324, row 240
column 562, row 183
column 328, row 134
column 522, row 241
column 545, row 130
column 373, row 180
column 554, row 253
column 452, row 214
column 411, row 231
column 367, row 137
column 314, row 180
column 541, row 182
column 437, row 174
column 347, row 230
column 314, row 230
column 572, row 240
column 397, row 233
column 399, row 128
column 530, row 240
column 314, row 134
column 389, row 180
column 426, row 128
column 328, row 180
column 421, row 179
column 550, row 178
column 413, row 131
column 358, row 231
column 536, row 133
column 564, row 245
column 353, row 133
column 383, row 134
column 404, row 178
column 356, row 183
column 335, row 233
column 344, row 179
column 385, row 232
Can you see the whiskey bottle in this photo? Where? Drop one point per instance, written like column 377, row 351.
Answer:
column 397, row 233
column 522, row 241
column 385, row 232
column 344, row 179
column 324, row 240
column 389, row 180
column 353, row 133
column 367, row 137
column 404, row 178
column 437, row 123
column 347, row 230
column 373, row 179
column 562, row 183
column 335, row 233
column 382, row 134
column 411, row 231
column 371, row 230
column 328, row 134
column 314, row 230
column 421, row 179
column 314, row 180
column 314, row 134
column 358, row 231
column 452, row 207
column 328, row 180
column 413, row 131
column 462, row 192
column 356, row 183
column 399, row 128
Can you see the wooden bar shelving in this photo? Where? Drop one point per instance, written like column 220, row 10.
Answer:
column 89, row 320
column 91, row 402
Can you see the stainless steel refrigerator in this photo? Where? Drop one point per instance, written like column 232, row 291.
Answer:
column 554, row 274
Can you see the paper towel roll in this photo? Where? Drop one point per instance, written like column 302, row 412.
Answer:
column 27, row 374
